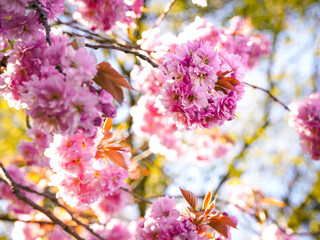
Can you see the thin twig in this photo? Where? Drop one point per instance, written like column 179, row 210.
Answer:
column 141, row 199
column 270, row 95
column 160, row 18
column 44, row 19
column 125, row 50
column 164, row 14
column 16, row 191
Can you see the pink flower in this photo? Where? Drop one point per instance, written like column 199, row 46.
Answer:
column 110, row 205
column 193, row 99
column 305, row 119
column 164, row 207
column 25, row 28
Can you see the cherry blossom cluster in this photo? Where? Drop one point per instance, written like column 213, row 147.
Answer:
column 104, row 14
column 59, row 101
column 81, row 177
column 196, row 96
column 163, row 221
column 237, row 38
column 32, row 152
column 305, row 119
column 17, row 23
column 108, row 206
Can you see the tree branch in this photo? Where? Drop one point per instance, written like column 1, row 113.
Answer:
column 125, row 50
column 270, row 95
column 16, row 191
column 56, row 201
column 6, row 217
column 44, row 18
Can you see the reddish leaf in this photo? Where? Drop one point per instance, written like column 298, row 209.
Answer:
column 110, row 80
column 220, row 89
column 206, row 200
column 113, row 75
column 225, row 84
column 110, row 87
column 211, row 206
column 231, row 80
column 117, row 158
column 107, row 125
column 220, row 227
column 191, row 198
column 221, row 223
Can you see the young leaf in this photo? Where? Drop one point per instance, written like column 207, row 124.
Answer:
column 206, row 200
column 233, row 81
column 117, row 158
column 225, row 84
column 113, row 75
column 191, row 198
column 221, row 223
column 220, row 227
column 107, row 125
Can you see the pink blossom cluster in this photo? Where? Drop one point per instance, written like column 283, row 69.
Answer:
column 80, row 177
column 192, row 96
column 237, row 38
column 18, row 206
column 305, row 119
column 17, row 23
column 163, row 221
column 58, row 101
column 104, row 14
column 32, row 152
column 150, row 122
column 106, row 207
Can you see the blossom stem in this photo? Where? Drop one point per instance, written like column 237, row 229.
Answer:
column 44, row 18
column 125, row 50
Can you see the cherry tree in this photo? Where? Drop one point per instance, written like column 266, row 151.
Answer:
column 113, row 105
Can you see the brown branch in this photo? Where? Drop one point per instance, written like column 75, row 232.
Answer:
column 44, row 19
column 56, row 201
column 270, row 95
column 125, row 50
column 6, row 217
column 16, row 191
